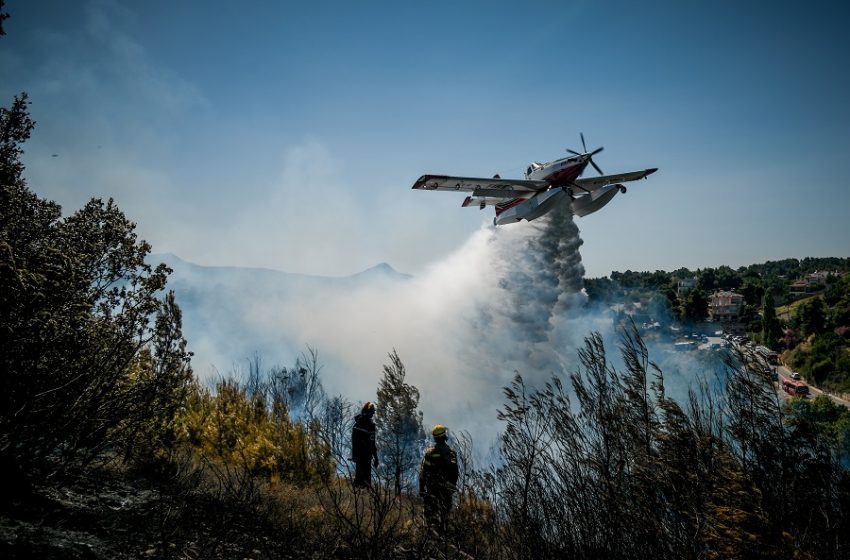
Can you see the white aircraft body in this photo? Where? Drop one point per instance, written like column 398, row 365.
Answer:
column 545, row 186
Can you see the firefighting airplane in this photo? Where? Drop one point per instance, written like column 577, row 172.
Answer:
column 545, row 186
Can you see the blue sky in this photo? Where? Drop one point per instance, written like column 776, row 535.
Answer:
column 287, row 135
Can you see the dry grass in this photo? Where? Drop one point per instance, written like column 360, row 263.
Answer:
column 786, row 312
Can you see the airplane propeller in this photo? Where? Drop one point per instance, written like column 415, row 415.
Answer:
column 593, row 153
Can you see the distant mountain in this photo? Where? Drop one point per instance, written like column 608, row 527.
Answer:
column 379, row 273
column 231, row 314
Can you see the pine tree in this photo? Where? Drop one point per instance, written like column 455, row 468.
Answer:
column 771, row 331
column 400, row 433
column 694, row 306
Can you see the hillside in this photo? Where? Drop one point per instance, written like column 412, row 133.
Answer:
column 226, row 308
column 787, row 312
column 806, row 317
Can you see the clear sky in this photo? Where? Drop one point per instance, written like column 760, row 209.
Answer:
column 287, row 135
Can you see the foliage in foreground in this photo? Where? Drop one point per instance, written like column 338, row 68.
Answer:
column 611, row 468
column 620, row 470
column 92, row 355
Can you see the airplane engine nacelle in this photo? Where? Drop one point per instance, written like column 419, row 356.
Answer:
column 622, row 188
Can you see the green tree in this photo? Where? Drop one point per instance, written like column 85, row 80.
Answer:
column 707, row 280
column 163, row 379
column 400, row 436
column 771, row 330
column 748, row 315
column 811, row 317
column 660, row 306
column 3, row 16
column 752, row 290
column 77, row 306
column 837, row 298
column 694, row 306
column 832, row 418
column 727, row 279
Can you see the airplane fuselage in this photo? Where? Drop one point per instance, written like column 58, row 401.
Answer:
column 558, row 173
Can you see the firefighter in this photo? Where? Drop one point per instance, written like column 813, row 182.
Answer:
column 437, row 479
column 364, row 451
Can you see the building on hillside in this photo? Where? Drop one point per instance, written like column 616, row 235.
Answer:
column 811, row 283
column 819, row 277
column 686, row 285
column 798, row 287
column 725, row 306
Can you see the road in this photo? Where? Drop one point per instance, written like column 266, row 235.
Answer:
column 785, row 373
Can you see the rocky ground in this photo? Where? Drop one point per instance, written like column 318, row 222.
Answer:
column 111, row 513
column 106, row 516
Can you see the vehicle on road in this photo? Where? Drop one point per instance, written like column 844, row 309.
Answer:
column 769, row 355
column 795, row 388
column 795, row 375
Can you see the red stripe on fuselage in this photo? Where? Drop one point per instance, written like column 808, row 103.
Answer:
column 566, row 176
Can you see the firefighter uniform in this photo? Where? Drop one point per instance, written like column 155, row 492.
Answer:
column 364, row 450
column 438, row 475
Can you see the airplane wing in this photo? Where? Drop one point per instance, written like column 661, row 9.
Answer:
column 479, row 186
column 590, row 184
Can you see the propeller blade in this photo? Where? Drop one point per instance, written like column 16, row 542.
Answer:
column 583, row 146
column 573, row 152
column 596, row 151
column 596, row 167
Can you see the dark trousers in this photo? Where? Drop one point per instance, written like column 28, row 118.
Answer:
column 363, row 473
column 437, row 506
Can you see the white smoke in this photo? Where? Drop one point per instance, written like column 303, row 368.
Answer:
column 509, row 299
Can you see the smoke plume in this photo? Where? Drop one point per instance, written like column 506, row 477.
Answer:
column 509, row 299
